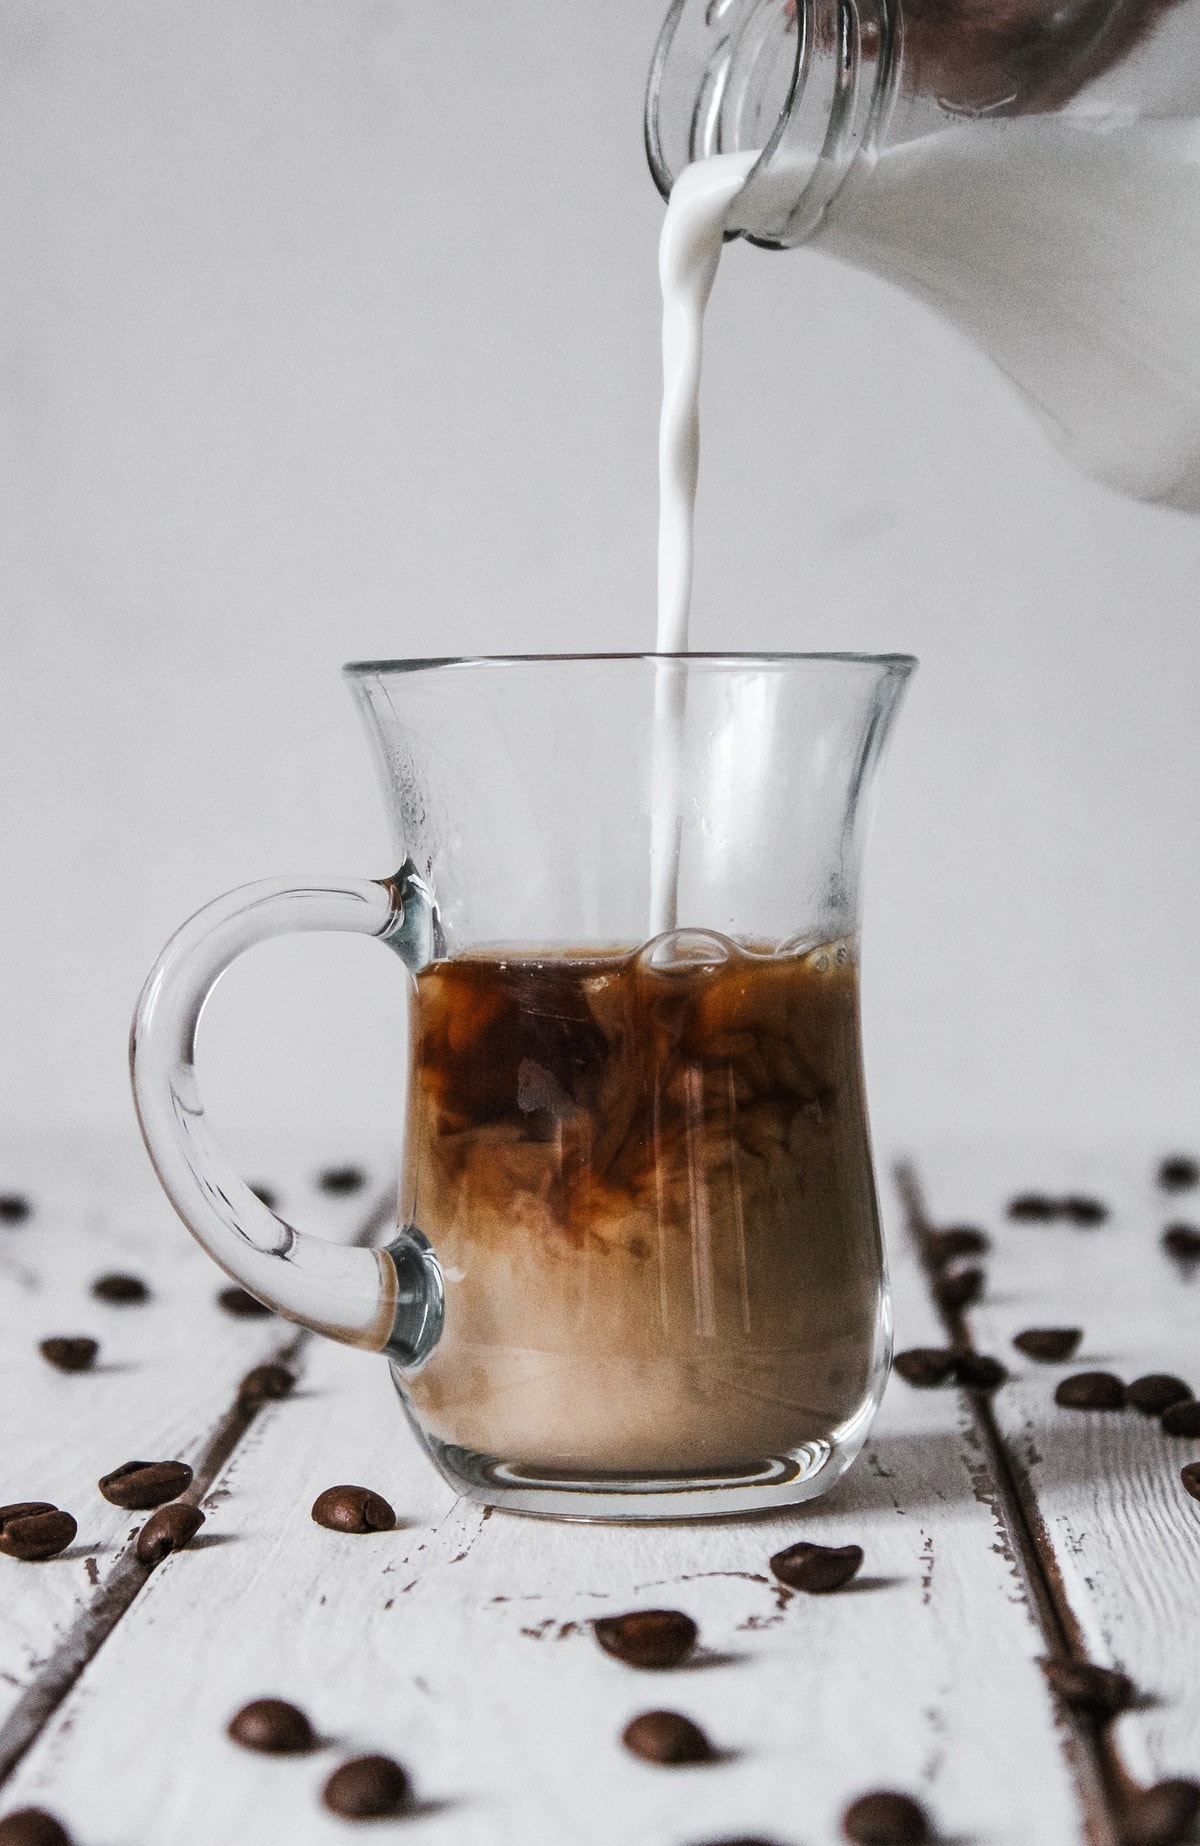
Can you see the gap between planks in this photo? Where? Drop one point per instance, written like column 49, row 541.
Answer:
column 1104, row 1782
column 81, row 1643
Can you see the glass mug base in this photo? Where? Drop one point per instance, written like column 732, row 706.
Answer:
column 764, row 1484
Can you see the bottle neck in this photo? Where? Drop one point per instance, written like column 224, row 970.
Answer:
column 807, row 81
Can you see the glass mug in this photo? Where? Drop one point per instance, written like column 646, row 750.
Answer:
column 639, row 1271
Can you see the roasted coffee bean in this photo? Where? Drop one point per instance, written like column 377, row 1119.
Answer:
column 1160, row 1816
column 353, row 1509
column 955, row 1241
column 35, row 1536
column 817, row 1569
column 32, row 1827
column 978, row 1372
column 273, row 1727
column 666, row 1737
column 1156, row 1392
column 120, row 1289
column 1034, row 1208
column 1091, row 1391
column 1084, row 1211
column 266, row 1384
column 653, row 1638
column 1099, row 1690
column 1182, row 1241
column 266, row 1195
column 242, row 1305
column 885, row 1819
column 924, row 1366
column 167, row 1530
column 1190, row 1476
column 341, row 1180
column 961, row 1288
column 1182, row 1420
column 70, row 1355
column 139, row 1485
column 14, row 1208
column 1049, row 1344
column 1179, row 1173
column 367, row 1788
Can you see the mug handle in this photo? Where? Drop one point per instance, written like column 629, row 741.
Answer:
column 386, row 1300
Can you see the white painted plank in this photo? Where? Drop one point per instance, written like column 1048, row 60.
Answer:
column 1124, row 1535
column 166, row 1372
column 459, row 1643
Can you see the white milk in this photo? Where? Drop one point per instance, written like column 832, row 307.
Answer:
column 1069, row 250
column 689, row 253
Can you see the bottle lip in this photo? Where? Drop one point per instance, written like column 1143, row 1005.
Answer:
column 722, row 81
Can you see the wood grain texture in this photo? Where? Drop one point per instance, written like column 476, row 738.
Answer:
column 166, row 1375
column 460, row 1643
column 1102, row 1490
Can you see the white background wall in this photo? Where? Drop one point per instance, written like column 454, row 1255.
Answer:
column 328, row 330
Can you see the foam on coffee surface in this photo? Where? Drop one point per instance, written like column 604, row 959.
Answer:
column 647, row 1177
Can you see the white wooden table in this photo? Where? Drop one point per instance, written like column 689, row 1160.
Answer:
column 996, row 1530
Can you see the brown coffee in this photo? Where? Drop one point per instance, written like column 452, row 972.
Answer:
column 647, row 1178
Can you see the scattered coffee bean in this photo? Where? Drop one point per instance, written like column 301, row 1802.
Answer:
column 1156, row 1392
column 1182, row 1420
column 1190, row 1476
column 666, row 1737
column 1179, row 1173
column 1099, row 1690
column 1049, row 1344
column 341, row 1180
column 242, row 1304
column 139, row 1485
column 979, row 1372
column 273, row 1727
column 1084, row 1211
column 266, row 1384
column 35, row 1535
column 1160, row 1816
column 651, row 1638
column 960, row 1289
column 266, row 1195
column 1091, row 1391
column 70, row 1355
column 14, row 1208
column 1034, row 1208
column 924, row 1366
column 1182, row 1242
column 120, row 1289
column 955, row 1241
column 32, row 1827
column 167, row 1530
column 817, row 1569
column 367, row 1788
column 353, row 1509
column 886, row 1819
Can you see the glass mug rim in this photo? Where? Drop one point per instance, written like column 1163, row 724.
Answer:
column 364, row 669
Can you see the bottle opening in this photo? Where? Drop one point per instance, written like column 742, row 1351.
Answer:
column 802, row 80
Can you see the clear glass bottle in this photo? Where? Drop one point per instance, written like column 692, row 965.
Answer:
column 1030, row 169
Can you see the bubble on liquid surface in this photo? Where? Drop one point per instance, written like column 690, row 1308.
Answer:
column 687, row 951
column 800, row 944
